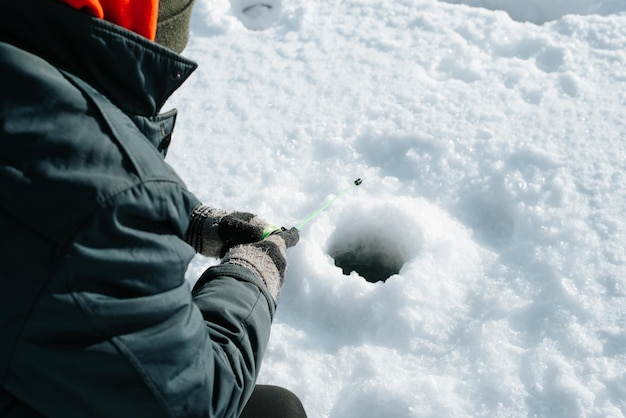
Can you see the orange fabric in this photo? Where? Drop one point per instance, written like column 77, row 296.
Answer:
column 139, row 16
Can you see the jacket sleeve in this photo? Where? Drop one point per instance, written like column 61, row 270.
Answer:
column 237, row 310
column 120, row 333
column 214, row 338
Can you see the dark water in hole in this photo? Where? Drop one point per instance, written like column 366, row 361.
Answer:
column 373, row 268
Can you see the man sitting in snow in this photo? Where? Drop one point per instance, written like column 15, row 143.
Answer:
column 97, row 230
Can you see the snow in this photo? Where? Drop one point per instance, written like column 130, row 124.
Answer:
column 490, row 139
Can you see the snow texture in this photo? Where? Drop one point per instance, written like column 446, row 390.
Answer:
column 490, row 138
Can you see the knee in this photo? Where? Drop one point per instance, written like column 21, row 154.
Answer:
column 273, row 401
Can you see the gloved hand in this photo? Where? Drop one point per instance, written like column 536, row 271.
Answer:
column 213, row 231
column 267, row 258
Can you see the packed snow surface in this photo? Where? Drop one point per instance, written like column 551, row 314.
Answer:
column 490, row 137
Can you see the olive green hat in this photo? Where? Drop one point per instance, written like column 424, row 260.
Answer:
column 173, row 24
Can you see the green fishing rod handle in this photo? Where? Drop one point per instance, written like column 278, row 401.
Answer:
column 271, row 230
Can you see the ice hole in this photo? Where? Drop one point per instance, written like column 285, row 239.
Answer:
column 255, row 14
column 369, row 253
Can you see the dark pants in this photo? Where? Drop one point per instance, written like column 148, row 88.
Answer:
column 273, row 402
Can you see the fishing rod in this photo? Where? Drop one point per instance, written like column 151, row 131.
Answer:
column 269, row 230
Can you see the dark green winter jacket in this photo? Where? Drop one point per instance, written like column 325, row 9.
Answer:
column 96, row 318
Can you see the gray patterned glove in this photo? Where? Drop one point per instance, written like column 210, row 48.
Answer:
column 267, row 258
column 212, row 232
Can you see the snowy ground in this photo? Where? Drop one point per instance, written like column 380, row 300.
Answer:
column 490, row 139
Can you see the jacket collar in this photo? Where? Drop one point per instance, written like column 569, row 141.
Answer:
column 136, row 74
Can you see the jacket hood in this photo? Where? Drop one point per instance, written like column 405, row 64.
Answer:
column 135, row 73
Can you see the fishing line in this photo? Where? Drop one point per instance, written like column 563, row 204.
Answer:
column 269, row 230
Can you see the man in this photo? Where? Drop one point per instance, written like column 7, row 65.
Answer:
column 96, row 230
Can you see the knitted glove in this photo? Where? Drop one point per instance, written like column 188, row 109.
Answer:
column 267, row 258
column 213, row 231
